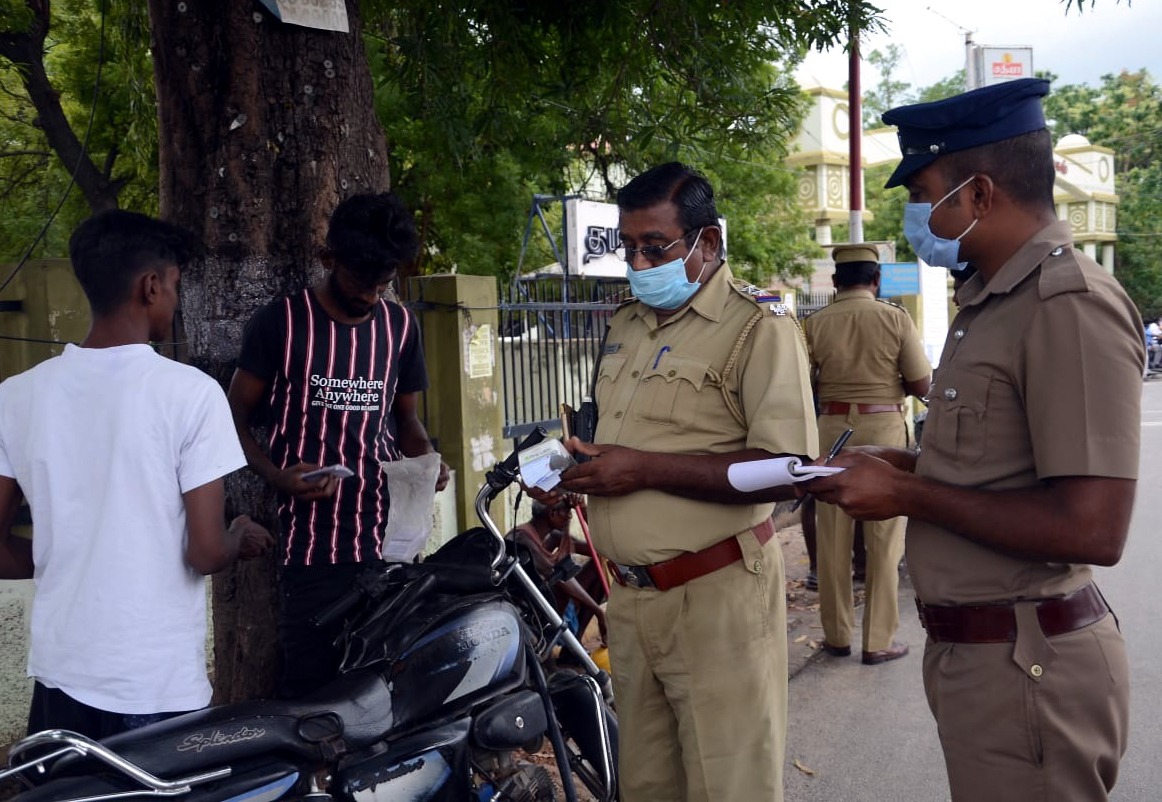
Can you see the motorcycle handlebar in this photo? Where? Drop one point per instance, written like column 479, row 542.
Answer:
column 508, row 468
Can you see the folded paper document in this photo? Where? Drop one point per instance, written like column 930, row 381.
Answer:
column 775, row 472
column 542, row 465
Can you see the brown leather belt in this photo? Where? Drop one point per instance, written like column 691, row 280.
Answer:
column 843, row 407
column 997, row 623
column 691, row 565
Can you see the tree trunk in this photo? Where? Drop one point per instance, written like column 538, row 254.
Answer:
column 264, row 128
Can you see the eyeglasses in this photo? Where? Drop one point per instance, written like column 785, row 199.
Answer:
column 652, row 253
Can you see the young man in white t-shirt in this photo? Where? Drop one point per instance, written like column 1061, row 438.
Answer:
column 121, row 454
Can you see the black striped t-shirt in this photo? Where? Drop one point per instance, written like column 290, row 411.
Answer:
column 332, row 388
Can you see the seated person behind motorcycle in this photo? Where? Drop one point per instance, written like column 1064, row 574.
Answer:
column 546, row 535
column 121, row 453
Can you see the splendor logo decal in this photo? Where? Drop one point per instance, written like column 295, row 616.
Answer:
column 200, row 741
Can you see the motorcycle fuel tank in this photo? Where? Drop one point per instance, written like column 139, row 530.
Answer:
column 466, row 651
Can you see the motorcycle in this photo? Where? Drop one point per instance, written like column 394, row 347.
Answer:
column 442, row 695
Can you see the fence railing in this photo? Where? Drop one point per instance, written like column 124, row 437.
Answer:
column 551, row 330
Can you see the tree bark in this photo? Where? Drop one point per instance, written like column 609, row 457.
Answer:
column 263, row 128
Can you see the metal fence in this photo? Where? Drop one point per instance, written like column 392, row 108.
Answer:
column 551, row 330
column 808, row 302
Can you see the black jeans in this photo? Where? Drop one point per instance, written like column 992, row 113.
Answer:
column 309, row 658
column 53, row 709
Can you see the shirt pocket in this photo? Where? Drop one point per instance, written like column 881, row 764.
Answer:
column 961, row 429
column 608, row 371
column 671, row 390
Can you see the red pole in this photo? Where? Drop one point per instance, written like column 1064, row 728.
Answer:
column 598, row 563
column 854, row 137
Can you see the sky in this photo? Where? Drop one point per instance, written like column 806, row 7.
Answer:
column 1079, row 47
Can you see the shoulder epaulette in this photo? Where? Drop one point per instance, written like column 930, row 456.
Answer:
column 890, row 302
column 766, row 299
column 1061, row 272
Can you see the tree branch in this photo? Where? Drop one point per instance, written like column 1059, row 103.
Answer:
column 26, row 50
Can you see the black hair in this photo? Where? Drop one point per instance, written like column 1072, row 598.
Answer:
column 855, row 274
column 112, row 248
column 372, row 235
column 684, row 186
column 1022, row 166
column 542, row 510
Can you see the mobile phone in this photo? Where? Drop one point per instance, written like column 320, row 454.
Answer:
column 566, row 421
column 338, row 471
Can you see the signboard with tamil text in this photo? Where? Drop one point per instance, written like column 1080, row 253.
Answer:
column 899, row 278
column 995, row 65
column 592, row 236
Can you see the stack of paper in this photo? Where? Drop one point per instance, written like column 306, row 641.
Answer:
column 763, row 473
column 541, row 465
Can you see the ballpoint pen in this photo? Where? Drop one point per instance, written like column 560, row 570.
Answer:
column 836, row 447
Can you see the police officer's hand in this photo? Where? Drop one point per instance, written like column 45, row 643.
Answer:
column 610, row 471
column 291, row 482
column 867, row 490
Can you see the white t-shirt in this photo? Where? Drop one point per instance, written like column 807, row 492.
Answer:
column 103, row 442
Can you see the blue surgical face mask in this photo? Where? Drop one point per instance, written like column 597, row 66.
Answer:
column 665, row 286
column 932, row 249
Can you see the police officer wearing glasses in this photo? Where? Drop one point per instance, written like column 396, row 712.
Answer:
column 695, row 375
column 1028, row 464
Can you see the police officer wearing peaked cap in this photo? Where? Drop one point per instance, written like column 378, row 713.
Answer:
column 866, row 357
column 1027, row 472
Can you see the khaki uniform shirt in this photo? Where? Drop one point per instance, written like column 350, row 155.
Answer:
column 1040, row 377
column 861, row 347
column 658, row 389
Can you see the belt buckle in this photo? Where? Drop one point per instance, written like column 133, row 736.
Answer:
column 634, row 575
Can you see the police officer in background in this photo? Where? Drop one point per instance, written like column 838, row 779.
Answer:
column 695, row 375
column 1028, row 466
column 866, row 357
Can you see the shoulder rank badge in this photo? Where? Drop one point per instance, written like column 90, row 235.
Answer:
column 769, row 298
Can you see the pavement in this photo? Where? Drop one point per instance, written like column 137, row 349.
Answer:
column 804, row 630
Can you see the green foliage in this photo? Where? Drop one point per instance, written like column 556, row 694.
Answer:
column 888, row 92
column 548, row 97
column 1124, row 113
column 123, row 136
column 484, row 104
column 887, row 208
column 944, row 88
column 1139, row 251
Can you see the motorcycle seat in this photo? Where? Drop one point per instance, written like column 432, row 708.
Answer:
column 350, row 713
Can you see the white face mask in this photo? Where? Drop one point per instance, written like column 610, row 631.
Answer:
column 932, row 249
column 666, row 286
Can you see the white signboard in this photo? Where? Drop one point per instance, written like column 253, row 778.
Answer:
column 996, row 65
column 592, row 237
column 326, row 15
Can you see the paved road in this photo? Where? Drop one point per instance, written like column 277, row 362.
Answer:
column 866, row 733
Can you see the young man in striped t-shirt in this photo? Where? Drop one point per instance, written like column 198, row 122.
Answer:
column 334, row 371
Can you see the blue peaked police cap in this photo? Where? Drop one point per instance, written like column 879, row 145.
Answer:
column 990, row 114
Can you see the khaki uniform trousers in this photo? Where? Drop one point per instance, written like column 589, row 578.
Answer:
column 884, row 541
column 700, row 678
column 1011, row 736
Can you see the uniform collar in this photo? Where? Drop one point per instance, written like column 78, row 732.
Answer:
column 709, row 301
column 853, row 292
column 1019, row 266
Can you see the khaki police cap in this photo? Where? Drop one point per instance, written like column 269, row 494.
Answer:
column 856, row 252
